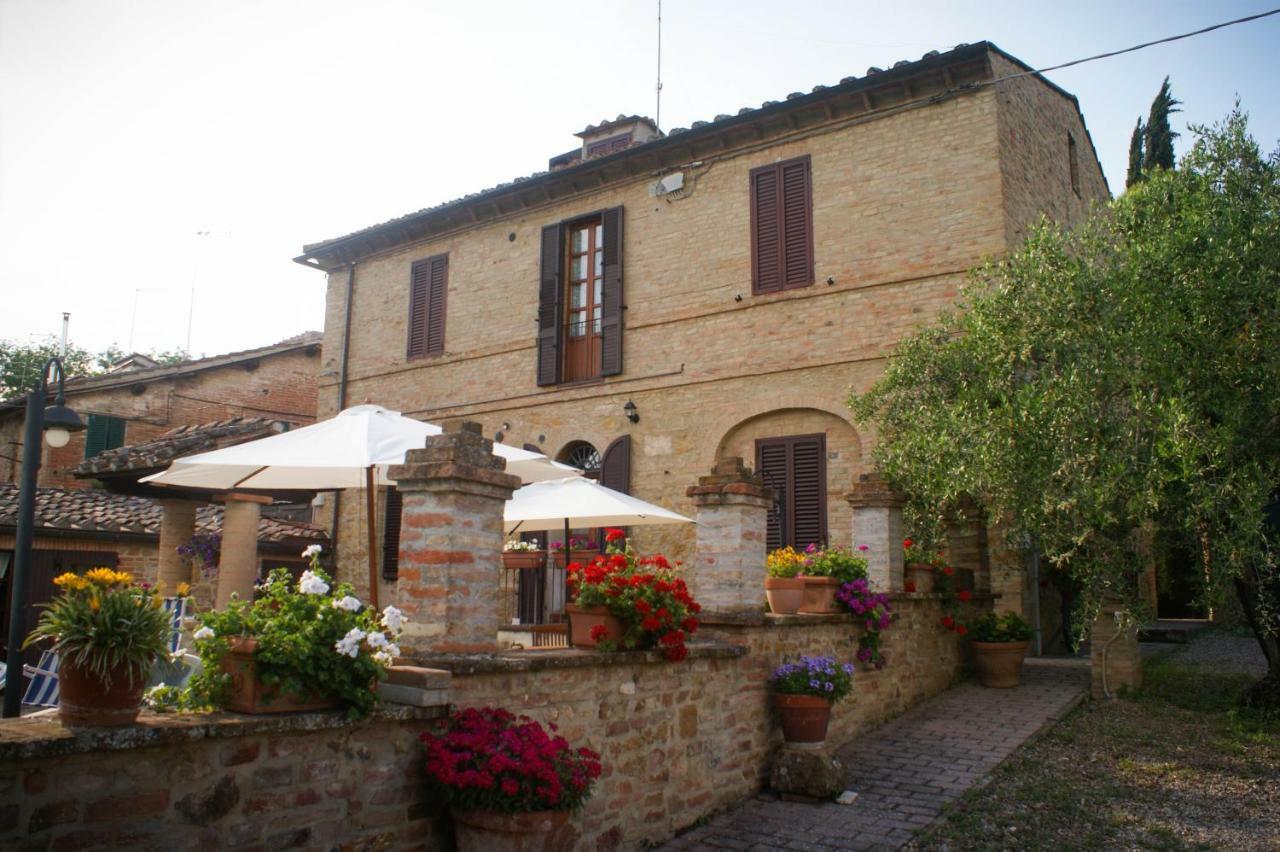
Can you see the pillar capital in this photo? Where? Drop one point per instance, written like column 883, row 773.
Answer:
column 459, row 459
column 872, row 491
column 242, row 497
column 730, row 483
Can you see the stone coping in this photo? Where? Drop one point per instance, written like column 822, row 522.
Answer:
column 769, row 619
column 44, row 736
column 569, row 658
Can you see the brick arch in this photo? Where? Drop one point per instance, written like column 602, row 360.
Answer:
column 719, row 430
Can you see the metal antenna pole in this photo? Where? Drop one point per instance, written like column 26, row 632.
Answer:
column 657, row 113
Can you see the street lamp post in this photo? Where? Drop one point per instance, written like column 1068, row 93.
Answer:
column 57, row 422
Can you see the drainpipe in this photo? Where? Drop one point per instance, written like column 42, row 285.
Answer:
column 342, row 394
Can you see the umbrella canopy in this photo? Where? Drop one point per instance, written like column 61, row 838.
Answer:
column 334, row 453
column 575, row 502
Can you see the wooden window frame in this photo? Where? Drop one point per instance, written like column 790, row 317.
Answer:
column 786, row 533
column 428, row 349
column 779, row 168
column 595, row 370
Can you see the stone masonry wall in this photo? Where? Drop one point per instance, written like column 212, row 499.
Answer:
column 192, row 783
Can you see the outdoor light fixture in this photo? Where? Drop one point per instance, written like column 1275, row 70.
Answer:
column 632, row 414
column 57, row 422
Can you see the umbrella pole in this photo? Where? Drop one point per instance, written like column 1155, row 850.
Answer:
column 370, row 498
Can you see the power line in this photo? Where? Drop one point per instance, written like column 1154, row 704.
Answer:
column 1140, row 46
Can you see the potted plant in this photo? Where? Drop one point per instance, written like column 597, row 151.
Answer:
column 784, row 587
column 297, row 646
column 621, row 601
column 108, row 632
column 825, row 570
column 581, row 549
column 509, row 783
column 518, row 554
column 803, row 693
column 921, row 565
column 999, row 646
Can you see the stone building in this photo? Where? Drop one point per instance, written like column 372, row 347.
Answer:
column 656, row 301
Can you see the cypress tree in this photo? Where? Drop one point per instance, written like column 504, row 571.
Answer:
column 1135, row 155
column 1158, row 152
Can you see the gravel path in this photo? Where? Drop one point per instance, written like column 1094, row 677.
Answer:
column 1223, row 652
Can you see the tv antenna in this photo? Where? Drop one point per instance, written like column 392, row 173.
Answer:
column 657, row 113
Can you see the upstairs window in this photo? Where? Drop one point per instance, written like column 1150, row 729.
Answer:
column 781, row 226
column 428, row 282
column 580, row 299
column 104, row 433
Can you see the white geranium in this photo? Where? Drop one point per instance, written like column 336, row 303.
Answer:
column 393, row 649
column 383, row 658
column 350, row 644
column 311, row 550
column 393, row 619
column 204, row 633
column 311, row 584
column 347, row 602
column 377, row 640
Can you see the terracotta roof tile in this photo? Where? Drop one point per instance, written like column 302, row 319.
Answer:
column 183, row 441
column 91, row 510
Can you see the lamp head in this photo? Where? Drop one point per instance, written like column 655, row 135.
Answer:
column 59, row 422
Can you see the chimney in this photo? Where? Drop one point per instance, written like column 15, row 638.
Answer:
column 609, row 137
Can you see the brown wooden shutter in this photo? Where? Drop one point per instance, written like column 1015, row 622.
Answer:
column 612, row 305
column 392, row 508
column 550, row 304
column 781, row 226
column 427, row 304
column 797, row 224
column 615, row 465
column 795, row 467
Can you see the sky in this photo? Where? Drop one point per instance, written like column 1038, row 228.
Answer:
column 162, row 161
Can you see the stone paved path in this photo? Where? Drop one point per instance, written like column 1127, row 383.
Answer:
column 906, row 770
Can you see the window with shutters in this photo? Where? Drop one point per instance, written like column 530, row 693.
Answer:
column 781, row 226
column 580, row 299
column 795, row 467
column 428, row 283
column 392, row 509
column 103, row 433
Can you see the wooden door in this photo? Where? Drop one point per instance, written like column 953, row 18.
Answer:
column 584, row 301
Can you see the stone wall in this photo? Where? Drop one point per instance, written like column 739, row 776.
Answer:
column 217, row 782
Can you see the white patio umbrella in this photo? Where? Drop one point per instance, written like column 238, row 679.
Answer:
column 352, row 450
column 579, row 502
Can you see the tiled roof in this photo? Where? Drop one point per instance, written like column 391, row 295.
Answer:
column 720, row 122
column 183, row 441
column 83, row 510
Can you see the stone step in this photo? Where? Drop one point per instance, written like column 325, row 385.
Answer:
column 1175, row 631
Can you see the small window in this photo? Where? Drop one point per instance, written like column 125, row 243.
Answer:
column 392, row 509
column 428, row 283
column 1073, row 162
column 104, row 433
column 609, row 146
column 781, row 226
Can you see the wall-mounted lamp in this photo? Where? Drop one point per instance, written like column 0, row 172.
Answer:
column 632, row 414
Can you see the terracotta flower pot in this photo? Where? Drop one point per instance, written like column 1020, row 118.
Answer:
column 999, row 664
column 582, row 557
column 86, row 701
column 248, row 694
column 820, row 596
column 535, row 831
column 804, row 719
column 523, row 559
column 785, row 594
column 583, row 620
column 921, row 574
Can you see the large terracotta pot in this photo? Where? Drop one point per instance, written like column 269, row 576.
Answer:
column 536, row 831
column 86, row 701
column 582, row 557
column 523, row 559
column 999, row 664
column 804, row 719
column 248, row 694
column 583, row 620
column 785, row 594
column 820, row 596
column 920, row 575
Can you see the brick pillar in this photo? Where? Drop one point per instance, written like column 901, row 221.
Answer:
column 877, row 523
column 177, row 525
column 1117, row 640
column 733, row 515
column 238, row 564
column 454, row 491
column 967, row 544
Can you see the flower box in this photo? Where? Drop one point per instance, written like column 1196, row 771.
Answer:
column 820, row 596
column 785, row 594
column 920, row 575
column 523, row 560
column 582, row 557
column 584, row 620
column 248, row 694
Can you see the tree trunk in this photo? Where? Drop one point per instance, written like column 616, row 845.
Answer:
column 1264, row 620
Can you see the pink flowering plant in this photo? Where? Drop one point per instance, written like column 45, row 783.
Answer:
column 490, row 759
column 836, row 562
column 874, row 612
column 821, row 677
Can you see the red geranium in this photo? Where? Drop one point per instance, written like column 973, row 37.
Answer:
column 614, row 535
column 964, row 595
column 910, row 587
column 948, row 570
column 489, row 759
column 948, row 622
column 961, row 630
column 906, row 543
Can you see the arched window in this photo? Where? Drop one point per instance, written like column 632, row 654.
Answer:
column 582, row 455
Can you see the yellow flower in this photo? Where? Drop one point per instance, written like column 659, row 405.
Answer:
column 71, row 581
column 184, row 589
column 108, row 577
column 95, row 605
